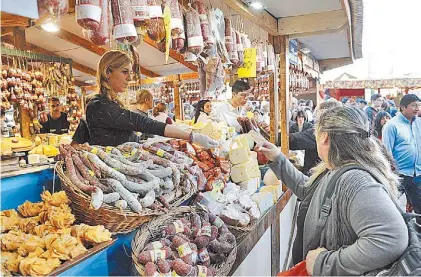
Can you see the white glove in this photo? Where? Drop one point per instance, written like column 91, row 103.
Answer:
column 204, row 141
column 268, row 149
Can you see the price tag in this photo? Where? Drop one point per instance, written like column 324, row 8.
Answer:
column 218, row 186
column 184, row 250
column 108, row 149
column 157, row 255
column 91, row 173
column 157, row 245
column 202, row 271
column 94, row 150
column 160, row 153
column 179, row 226
column 167, row 24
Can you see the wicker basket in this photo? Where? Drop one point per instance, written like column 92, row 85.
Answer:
column 152, row 231
column 114, row 219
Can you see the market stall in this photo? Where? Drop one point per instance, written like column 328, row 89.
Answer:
column 216, row 209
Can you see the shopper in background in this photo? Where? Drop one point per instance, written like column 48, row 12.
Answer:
column 392, row 108
column 230, row 110
column 110, row 123
column 57, row 121
column 160, row 113
column 381, row 119
column 144, row 102
column 362, row 104
column 402, row 138
column 203, row 110
column 376, row 103
column 300, row 124
column 306, row 139
column 310, row 105
column 364, row 231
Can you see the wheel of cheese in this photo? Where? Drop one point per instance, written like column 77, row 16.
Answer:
column 270, row 179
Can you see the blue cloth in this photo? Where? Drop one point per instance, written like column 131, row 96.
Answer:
column 403, row 139
column 18, row 189
column 96, row 265
column 119, row 255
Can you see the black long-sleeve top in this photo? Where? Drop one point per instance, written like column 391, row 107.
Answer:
column 111, row 125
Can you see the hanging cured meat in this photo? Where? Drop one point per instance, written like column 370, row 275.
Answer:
column 88, row 14
column 194, row 33
column 240, row 48
column 234, row 54
column 208, row 38
column 156, row 28
column 176, row 24
column 228, row 36
column 140, row 12
column 52, row 7
column 124, row 29
column 101, row 36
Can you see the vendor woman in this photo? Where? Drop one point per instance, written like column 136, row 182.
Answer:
column 203, row 109
column 111, row 124
column 230, row 110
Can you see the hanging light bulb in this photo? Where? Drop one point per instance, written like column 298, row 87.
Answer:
column 51, row 25
column 256, row 5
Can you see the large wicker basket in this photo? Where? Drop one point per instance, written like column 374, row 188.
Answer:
column 153, row 229
column 114, row 219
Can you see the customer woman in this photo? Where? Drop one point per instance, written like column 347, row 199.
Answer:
column 160, row 113
column 203, row 110
column 379, row 121
column 110, row 123
column 300, row 124
column 365, row 231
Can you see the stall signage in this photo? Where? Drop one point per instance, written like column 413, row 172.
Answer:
column 293, row 52
column 248, row 69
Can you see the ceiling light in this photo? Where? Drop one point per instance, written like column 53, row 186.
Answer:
column 256, row 5
column 51, row 25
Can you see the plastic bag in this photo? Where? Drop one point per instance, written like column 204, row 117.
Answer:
column 297, row 270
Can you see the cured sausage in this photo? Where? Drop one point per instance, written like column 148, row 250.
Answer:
column 176, row 23
column 140, row 12
column 204, row 23
column 88, row 13
column 156, row 28
column 228, row 36
column 101, row 35
column 124, row 29
column 194, row 33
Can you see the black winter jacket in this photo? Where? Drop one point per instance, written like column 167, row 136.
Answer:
column 111, row 125
column 305, row 140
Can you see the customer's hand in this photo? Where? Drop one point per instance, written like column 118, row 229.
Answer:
column 270, row 150
column 204, row 141
column 311, row 259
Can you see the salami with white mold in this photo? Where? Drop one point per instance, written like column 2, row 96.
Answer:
column 88, row 13
column 124, row 29
column 193, row 31
column 101, row 35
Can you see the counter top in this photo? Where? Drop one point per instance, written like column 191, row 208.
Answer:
column 28, row 170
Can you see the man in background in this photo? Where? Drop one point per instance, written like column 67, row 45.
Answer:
column 376, row 103
column 57, row 121
column 362, row 104
column 402, row 138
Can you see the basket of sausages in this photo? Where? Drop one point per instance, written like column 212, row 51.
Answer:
column 188, row 241
column 121, row 187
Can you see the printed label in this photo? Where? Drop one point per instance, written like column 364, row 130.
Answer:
column 179, row 226
column 88, row 11
column 108, row 149
column 157, row 245
column 204, row 255
column 184, row 250
column 155, row 11
column 205, row 231
column 94, row 150
column 218, row 186
column 134, row 151
column 173, row 273
column 195, row 41
column 140, row 13
column 160, row 153
column 201, row 271
column 218, row 222
column 157, row 255
column 91, row 173
column 177, row 23
column 124, row 30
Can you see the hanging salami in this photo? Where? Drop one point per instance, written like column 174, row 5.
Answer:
column 88, row 14
column 208, row 38
column 240, row 48
column 194, row 33
column 245, row 41
column 52, row 7
column 156, row 28
column 101, row 36
column 234, row 54
column 228, row 36
column 176, row 23
column 271, row 58
column 178, row 42
column 124, row 29
column 140, row 12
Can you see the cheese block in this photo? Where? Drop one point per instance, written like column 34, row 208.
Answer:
column 239, row 154
column 275, row 190
column 65, row 140
column 33, row 159
column 264, row 200
column 37, row 141
column 253, row 154
column 211, row 130
column 245, row 171
column 250, row 185
column 246, row 140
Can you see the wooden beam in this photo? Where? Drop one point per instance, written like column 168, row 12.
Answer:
column 273, row 108
column 310, row 23
column 75, row 39
column 178, row 108
column 284, row 93
column 5, row 31
column 328, row 64
column 347, row 13
column 19, row 38
column 72, row 5
column 259, row 17
column 173, row 54
column 80, row 83
column 12, row 20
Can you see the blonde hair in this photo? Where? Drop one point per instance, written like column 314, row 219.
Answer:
column 142, row 95
column 110, row 61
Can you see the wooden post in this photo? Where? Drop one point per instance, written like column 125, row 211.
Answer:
column 274, row 109
column 19, row 41
column 284, row 93
column 177, row 99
